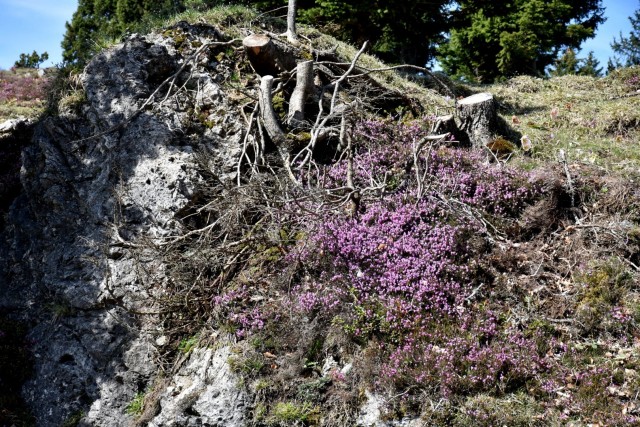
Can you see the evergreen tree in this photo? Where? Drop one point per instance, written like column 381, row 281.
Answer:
column 107, row 18
column 628, row 47
column 399, row 31
column 32, row 60
column 565, row 64
column 590, row 66
column 491, row 40
column 569, row 63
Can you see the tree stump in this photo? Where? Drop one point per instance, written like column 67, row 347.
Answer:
column 477, row 115
column 268, row 56
column 304, row 85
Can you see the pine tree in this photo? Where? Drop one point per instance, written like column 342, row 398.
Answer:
column 628, row 47
column 569, row 63
column 491, row 40
column 32, row 60
column 590, row 66
column 398, row 30
column 107, row 18
column 566, row 64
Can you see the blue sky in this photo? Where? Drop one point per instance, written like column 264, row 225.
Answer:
column 27, row 25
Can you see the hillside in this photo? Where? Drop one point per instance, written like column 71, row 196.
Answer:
column 172, row 253
column 22, row 92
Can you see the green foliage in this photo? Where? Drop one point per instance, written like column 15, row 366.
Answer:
column 628, row 47
column 136, row 406
column 288, row 413
column 399, row 31
column 32, row 60
column 188, row 344
column 73, row 420
column 110, row 19
column 492, row 40
column 569, row 63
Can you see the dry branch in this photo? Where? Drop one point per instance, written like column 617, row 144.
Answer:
column 267, row 112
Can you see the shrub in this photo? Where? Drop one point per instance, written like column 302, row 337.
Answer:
column 403, row 267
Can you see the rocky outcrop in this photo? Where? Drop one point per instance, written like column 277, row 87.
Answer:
column 203, row 392
column 94, row 184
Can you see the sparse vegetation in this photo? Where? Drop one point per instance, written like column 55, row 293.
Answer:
column 136, row 406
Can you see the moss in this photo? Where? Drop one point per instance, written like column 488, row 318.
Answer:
column 188, row 344
column 501, row 147
column 279, row 106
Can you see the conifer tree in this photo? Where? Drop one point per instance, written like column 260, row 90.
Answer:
column 107, row 18
column 490, row 40
column 628, row 47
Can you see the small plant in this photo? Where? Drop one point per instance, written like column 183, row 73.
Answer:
column 293, row 413
column 136, row 406
column 73, row 420
column 188, row 344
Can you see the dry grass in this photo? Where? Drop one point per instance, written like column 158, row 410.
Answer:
column 596, row 121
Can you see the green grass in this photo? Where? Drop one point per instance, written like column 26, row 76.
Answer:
column 136, row 406
column 596, row 121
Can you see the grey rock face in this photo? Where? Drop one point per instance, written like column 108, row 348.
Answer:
column 93, row 186
column 203, row 392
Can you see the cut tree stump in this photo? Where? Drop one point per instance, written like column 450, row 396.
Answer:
column 304, row 86
column 477, row 115
column 267, row 55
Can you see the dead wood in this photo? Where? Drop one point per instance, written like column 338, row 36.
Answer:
column 304, row 86
column 477, row 115
column 269, row 56
column 267, row 112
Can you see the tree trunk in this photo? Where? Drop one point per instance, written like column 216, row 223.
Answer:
column 304, row 84
column 292, row 36
column 268, row 114
column 267, row 56
column 477, row 114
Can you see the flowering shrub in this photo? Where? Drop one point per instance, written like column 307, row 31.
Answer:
column 402, row 268
column 238, row 308
column 385, row 151
column 22, row 87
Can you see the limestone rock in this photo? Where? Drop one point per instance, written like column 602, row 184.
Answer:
column 92, row 186
column 203, row 392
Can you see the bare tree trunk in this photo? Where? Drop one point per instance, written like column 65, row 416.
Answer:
column 268, row 114
column 477, row 114
column 304, row 83
column 292, row 36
